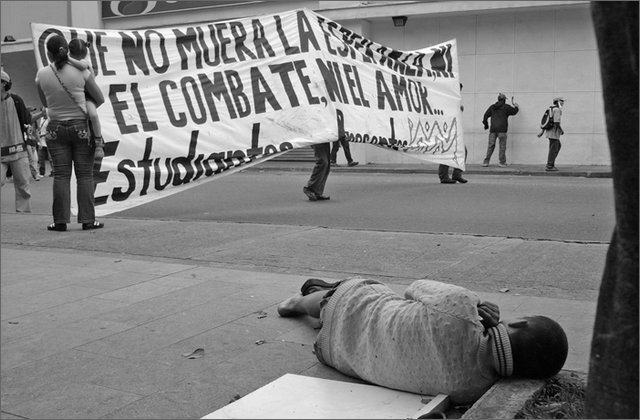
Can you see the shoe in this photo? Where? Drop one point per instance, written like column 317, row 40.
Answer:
column 58, row 227
column 552, row 169
column 485, row 164
column 460, row 179
column 92, row 225
column 447, row 181
column 51, row 174
column 312, row 196
column 39, row 177
column 332, row 163
column 314, row 285
column 502, row 165
column 323, row 197
column 353, row 163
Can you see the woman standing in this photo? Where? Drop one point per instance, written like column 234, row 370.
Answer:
column 61, row 87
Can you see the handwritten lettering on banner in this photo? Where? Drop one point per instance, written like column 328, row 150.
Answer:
column 187, row 104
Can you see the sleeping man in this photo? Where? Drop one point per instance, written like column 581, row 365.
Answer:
column 437, row 338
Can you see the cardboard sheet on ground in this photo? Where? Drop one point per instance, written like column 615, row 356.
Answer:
column 302, row 397
column 187, row 104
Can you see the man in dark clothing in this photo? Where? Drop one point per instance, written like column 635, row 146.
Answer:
column 499, row 114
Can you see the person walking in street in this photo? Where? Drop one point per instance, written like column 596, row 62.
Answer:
column 437, row 338
column 15, row 117
column 443, row 170
column 315, row 186
column 553, row 134
column 342, row 141
column 61, row 88
column 499, row 113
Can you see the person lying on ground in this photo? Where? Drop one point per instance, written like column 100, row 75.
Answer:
column 437, row 339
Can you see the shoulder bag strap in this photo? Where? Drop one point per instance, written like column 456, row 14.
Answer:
column 67, row 90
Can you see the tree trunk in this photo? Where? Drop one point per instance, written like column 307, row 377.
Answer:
column 612, row 389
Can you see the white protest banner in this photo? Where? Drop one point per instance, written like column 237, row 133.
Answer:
column 187, row 104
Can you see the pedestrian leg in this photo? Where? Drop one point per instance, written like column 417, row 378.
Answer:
column 334, row 151
column 320, row 172
column 490, row 147
column 347, row 152
column 554, row 148
column 33, row 162
column 325, row 168
column 21, row 177
column 502, row 153
column 443, row 171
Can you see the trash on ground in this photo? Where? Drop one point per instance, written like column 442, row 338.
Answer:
column 196, row 354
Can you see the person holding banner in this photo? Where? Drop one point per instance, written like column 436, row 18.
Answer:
column 443, row 170
column 61, row 88
column 315, row 186
column 438, row 338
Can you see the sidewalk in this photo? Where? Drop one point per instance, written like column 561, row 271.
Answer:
column 586, row 171
column 101, row 328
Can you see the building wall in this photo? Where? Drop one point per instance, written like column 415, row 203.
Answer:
column 532, row 51
column 533, row 56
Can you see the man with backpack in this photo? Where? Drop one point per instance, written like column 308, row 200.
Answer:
column 499, row 113
column 550, row 126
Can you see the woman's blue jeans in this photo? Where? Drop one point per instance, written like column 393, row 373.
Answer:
column 69, row 146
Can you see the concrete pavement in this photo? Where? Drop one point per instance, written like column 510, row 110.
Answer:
column 98, row 324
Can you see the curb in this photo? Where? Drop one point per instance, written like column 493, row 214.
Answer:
column 504, row 399
column 508, row 396
column 401, row 170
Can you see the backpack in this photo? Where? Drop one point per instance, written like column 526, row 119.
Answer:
column 547, row 119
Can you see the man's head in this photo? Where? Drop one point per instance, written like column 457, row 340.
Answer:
column 6, row 81
column 502, row 97
column 539, row 346
column 559, row 100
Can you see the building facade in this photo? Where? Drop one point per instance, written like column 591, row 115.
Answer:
column 532, row 51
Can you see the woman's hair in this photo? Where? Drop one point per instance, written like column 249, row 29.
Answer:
column 58, row 48
column 539, row 348
column 78, row 48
